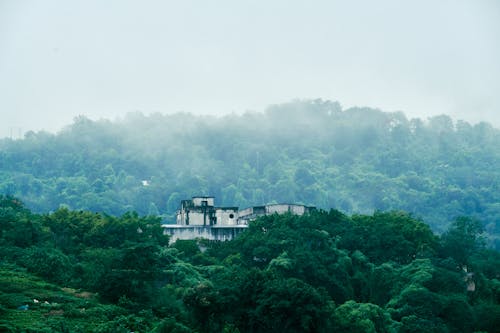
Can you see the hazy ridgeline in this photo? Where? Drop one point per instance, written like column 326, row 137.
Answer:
column 312, row 152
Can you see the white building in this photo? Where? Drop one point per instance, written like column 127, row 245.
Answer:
column 199, row 218
column 200, row 211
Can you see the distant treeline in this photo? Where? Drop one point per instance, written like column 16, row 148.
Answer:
column 78, row 271
column 357, row 160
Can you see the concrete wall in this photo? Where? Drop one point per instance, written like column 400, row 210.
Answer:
column 196, row 218
column 197, row 201
column 226, row 216
column 252, row 213
column 246, row 212
column 176, row 232
column 284, row 208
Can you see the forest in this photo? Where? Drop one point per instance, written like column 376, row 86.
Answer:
column 81, row 271
column 405, row 238
column 357, row 160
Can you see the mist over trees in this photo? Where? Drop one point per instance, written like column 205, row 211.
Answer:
column 357, row 160
column 405, row 249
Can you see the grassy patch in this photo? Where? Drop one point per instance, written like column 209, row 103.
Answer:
column 49, row 308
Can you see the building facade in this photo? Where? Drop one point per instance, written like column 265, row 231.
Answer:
column 199, row 218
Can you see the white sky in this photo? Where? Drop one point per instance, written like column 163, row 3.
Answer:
column 102, row 59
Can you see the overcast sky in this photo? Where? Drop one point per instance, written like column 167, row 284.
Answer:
column 102, row 59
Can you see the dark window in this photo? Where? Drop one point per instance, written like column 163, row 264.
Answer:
column 231, row 216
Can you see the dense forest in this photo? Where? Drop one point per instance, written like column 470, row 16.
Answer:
column 358, row 160
column 80, row 271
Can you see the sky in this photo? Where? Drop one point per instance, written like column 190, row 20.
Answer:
column 103, row 59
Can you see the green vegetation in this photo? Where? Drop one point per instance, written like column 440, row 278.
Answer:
column 373, row 265
column 33, row 305
column 325, row 272
column 312, row 152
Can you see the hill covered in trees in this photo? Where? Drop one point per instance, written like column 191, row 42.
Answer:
column 78, row 271
column 357, row 160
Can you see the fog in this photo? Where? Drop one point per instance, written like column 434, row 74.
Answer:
column 60, row 59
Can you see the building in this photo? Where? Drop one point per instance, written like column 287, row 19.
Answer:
column 249, row 214
column 201, row 211
column 199, row 218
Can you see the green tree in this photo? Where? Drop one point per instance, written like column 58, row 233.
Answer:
column 462, row 240
column 363, row 317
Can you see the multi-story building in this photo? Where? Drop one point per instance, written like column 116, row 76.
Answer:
column 199, row 218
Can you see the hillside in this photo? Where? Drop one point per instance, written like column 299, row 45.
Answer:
column 34, row 305
column 78, row 271
column 357, row 160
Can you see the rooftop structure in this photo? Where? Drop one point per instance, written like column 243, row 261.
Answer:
column 200, row 211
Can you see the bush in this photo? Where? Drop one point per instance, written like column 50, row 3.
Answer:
column 48, row 263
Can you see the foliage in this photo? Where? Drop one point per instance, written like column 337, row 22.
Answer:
column 321, row 272
column 357, row 160
column 87, row 252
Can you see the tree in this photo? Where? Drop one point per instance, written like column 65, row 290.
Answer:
column 363, row 318
column 290, row 305
column 462, row 239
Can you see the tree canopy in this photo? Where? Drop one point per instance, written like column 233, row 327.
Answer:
column 322, row 272
column 357, row 160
